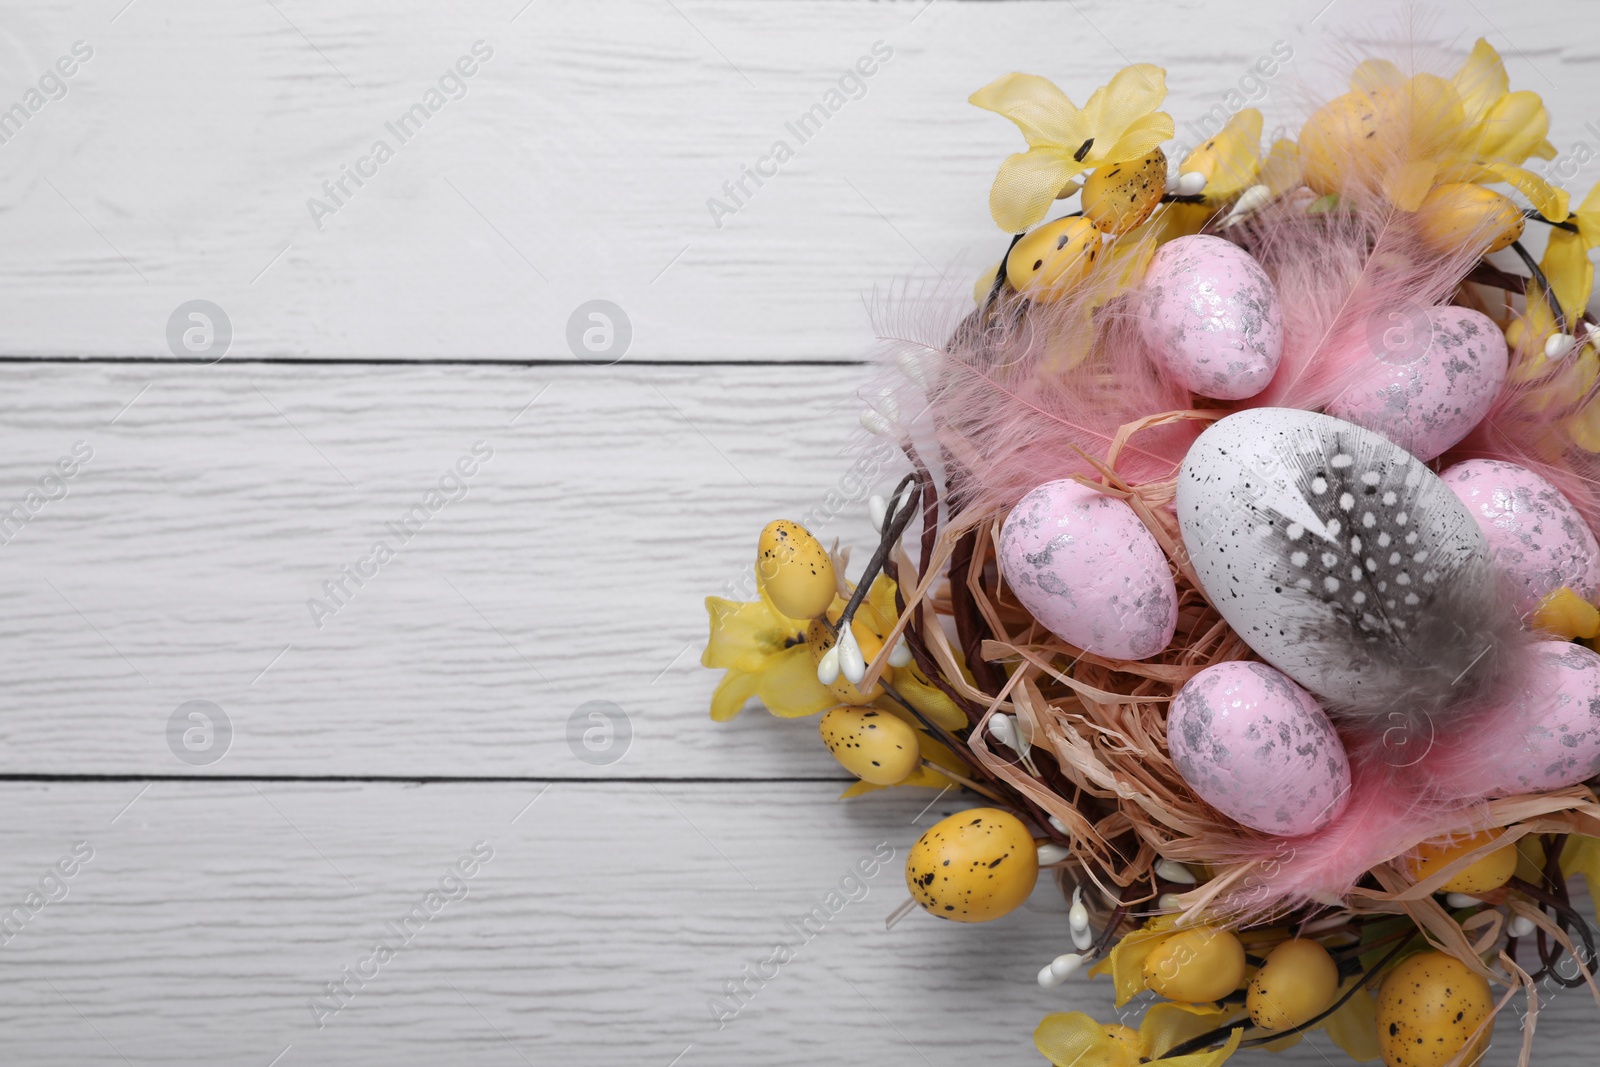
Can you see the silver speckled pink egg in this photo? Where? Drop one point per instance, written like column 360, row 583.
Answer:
column 1089, row 571
column 1561, row 741
column 1536, row 537
column 1259, row 749
column 1425, row 395
column 1211, row 316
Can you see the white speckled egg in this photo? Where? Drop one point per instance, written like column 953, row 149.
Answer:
column 1536, row 537
column 1089, row 571
column 1336, row 555
column 1211, row 315
column 1259, row 749
column 1561, row 742
column 1427, row 395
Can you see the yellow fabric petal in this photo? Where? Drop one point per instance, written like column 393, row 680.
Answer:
column 1074, row 1039
column 1354, row 1027
column 1514, row 128
column 1169, row 1024
column 880, row 598
column 859, row 788
column 1587, row 216
column 1126, row 960
column 928, row 699
column 732, row 694
column 1044, row 114
column 1375, row 74
column 1027, row 185
column 1481, row 80
column 743, row 635
column 1281, row 172
column 1566, row 264
column 1214, row 1058
column 1530, row 859
column 1137, row 140
column 789, row 688
column 1406, row 185
column 1581, row 855
column 1132, row 93
column 1549, row 200
column 1231, row 158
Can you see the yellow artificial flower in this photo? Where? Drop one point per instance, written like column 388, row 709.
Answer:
column 1073, row 1039
column 1281, row 172
column 1119, row 122
column 1581, row 855
column 1586, row 216
column 1426, row 130
column 765, row 655
column 1229, row 161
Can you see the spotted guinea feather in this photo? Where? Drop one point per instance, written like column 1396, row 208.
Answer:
column 1386, row 586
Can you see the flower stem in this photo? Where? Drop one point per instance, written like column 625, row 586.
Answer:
column 1544, row 285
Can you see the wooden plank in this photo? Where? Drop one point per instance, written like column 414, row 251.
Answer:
column 211, row 915
column 219, row 500
column 580, row 163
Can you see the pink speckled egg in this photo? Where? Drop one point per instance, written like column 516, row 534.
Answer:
column 1427, row 392
column 1211, row 316
column 1536, row 537
column 1089, row 571
column 1259, row 749
column 1561, row 741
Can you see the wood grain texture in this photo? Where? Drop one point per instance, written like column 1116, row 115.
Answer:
column 180, row 564
column 211, row 916
column 581, row 160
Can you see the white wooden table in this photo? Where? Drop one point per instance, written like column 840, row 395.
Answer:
column 421, row 717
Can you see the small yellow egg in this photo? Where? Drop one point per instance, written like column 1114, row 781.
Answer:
column 1427, row 1008
column 873, row 745
column 1339, row 139
column 1199, row 964
column 1566, row 615
column 1463, row 216
column 1051, row 259
column 819, row 639
column 1119, row 196
column 974, row 866
column 1489, row 873
column 795, row 570
column 1295, row 984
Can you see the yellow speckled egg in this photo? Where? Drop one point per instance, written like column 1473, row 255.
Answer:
column 1199, row 964
column 1119, row 196
column 1461, row 215
column 1295, row 984
column 795, row 570
column 974, row 866
column 1428, row 1007
column 1053, row 258
column 819, row 639
column 1337, row 141
column 1489, row 873
column 873, row 745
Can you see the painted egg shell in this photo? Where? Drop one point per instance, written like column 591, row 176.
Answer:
column 1089, row 571
column 1536, row 537
column 1432, row 382
column 1211, row 315
column 1561, row 743
column 1333, row 552
column 1258, row 748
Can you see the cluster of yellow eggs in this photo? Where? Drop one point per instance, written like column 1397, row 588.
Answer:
column 1050, row 259
column 799, row 578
